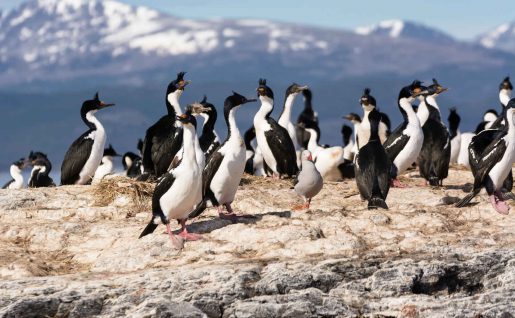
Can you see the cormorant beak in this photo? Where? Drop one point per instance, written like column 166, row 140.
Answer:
column 198, row 109
column 250, row 100
column 441, row 89
column 183, row 84
column 302, row 88
column 104, row 105
column 348, row 117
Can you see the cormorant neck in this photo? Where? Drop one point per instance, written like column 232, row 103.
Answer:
column 267, row 106
column 407, row 111
column 189, row 154
column 91, row 121
column 230, row 120
column 172, row 103
column 209, row 122
column 286, row 113
column 312, row 143
column 16, row 174
column 504, row 96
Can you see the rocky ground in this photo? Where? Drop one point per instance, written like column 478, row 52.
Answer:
column 74, row 251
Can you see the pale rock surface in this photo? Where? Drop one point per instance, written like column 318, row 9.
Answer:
column 62, row 254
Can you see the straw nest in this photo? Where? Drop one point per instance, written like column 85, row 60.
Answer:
column 107, row 191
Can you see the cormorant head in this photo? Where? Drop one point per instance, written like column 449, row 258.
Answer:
column 21, row 164
column 490, row 116
column 411, row 91
column 506, row 84
column 367, row 101
column 110, row 151
column 353, row 118
column 94, row 105
column 196, row 109
column 177, row 84
column 432, row 90
column 187, row 119
column 264, row 91
column 295, row 89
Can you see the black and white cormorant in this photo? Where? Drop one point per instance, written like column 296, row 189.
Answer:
column 178, row 191
column 209, row 139
column 225, row 167
column 492, row 166
column 348, row 143
column 489, row 118
column 307, row 118
column 355, row 119
column 164, row 139
column 454, row 133
column 16, row 174
column 404, row 144
column 41, row 168
column 285, row 118
column 106, row 165
column 272, row 139
column 372, row 165
column 505, row 90
column 248, row 136
column 85, row 154
column 131, row 162
column 433, row 160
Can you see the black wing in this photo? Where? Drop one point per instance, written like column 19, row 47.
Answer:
column 7, row 184
column 396, row 142
column 479, row 144
column 282, row 148
column 214, row 146
column 212, row 165
column 163, row 184
column 491, row 156
column 76, row 158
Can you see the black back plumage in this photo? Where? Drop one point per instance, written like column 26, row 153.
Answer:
column 248, row 136
column 40, row 174
column 372, row 167
column 435, row 155
column 454, row 122
column 207, row 139
column 163, row 139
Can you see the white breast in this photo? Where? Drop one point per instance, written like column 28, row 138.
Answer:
column 410, row 152
column 97, row 151
column 228, row 176
column 184, row 194
column 106, row 168
column 261, row 127
column 463, row 156
column 501, row 169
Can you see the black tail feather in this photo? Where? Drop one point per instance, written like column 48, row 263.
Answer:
column 198, row 209
column 377, row 202
column 466, row 200
column 150, row 228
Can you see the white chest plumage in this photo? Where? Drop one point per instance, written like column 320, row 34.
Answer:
column 408, row 155
column 228, row 176
column 17, row 177
column 261, row 125
column 502, row 168
column 97, row 150
column 106, row 168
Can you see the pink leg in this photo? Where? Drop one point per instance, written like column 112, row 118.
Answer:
column 397, row 184
column 498, row 203
column 176, row 242
column 188, row 236
column 230, row 215
column 276, row 176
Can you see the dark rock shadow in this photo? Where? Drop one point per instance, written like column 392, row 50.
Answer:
column 467, row 187
column 207, row 226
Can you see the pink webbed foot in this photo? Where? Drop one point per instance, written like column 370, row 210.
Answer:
column 301, row 207
column 397, row 184
column 498, row 204
column 186, row 235
column 230, row 215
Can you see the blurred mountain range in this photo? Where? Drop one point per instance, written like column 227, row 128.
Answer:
column 56, row 53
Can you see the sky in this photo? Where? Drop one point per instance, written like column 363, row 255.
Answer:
column 463, row 19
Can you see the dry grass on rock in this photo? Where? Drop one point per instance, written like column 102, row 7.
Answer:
column 138, row 193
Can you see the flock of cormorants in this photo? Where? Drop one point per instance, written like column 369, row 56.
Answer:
column 192, row 172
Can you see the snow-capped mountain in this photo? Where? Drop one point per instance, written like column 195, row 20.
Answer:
column 405, row 29
column 62, row 40
column 501, row 38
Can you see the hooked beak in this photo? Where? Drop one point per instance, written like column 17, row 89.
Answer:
column 348, row 117
column 302, row 88
column 250, row 100
column 183, row 84
column 104, row 105
column 442, row 89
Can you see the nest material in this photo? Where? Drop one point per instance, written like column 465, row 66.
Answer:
column 108, row 190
